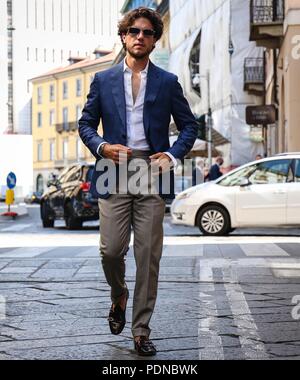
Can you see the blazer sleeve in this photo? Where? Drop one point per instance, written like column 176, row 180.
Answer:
column 185, row 122
column 90, row 119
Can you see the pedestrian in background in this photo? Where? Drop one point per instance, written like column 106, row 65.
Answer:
column 215, row 170
column 198, row 172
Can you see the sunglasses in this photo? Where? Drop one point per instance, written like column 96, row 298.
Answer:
column 136, row 31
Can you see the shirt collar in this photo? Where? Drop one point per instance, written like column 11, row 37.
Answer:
column 126, row 68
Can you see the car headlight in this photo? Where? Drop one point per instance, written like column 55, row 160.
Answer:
column 184, row 195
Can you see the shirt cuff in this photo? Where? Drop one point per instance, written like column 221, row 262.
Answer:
column 99, row 149
column 175, row 163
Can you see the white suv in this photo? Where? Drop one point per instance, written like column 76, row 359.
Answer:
column 264, row 193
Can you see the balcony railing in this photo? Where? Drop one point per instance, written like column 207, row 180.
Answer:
column 254, row 75
column 267, row 17
column 266, row 11
column 67, row 127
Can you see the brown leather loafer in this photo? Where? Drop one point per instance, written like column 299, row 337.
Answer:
column 117, row 318
column 144, row 347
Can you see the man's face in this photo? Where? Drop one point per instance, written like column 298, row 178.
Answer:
column 139, row 45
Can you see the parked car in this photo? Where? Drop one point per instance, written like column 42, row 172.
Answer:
column 68, row 198
column 180, row 184
column 264, row 193
column 34, row 197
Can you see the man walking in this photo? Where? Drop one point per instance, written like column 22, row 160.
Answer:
column 135, row 100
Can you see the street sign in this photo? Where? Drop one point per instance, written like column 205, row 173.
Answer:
column 11, row 180
column 261, row 115
column 10, row 197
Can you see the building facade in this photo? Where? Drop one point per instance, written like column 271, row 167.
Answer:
column 213, row 58
column 57, row 102
column 275, row 25
column 37, row 35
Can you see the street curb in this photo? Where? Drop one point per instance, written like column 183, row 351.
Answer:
column 20, row 210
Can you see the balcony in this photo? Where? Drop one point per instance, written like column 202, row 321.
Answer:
column 67, row 127
column 266, row 22
column 254, row 76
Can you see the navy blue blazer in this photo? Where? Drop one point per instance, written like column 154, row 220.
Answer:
column 164, row 97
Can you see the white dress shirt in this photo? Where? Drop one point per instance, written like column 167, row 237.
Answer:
column 136, row 138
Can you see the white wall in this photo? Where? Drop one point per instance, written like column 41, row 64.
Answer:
column 220, row 21
column 16, row 156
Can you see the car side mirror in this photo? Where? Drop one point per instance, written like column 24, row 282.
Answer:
column 245, row 182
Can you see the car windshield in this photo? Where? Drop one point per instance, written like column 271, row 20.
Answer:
column 235, row 178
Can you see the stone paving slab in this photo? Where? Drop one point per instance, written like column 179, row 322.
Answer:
column 57, row 308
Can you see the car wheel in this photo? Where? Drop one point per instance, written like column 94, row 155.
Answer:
column 72, row 223
column 214, row 221
column 47, row 222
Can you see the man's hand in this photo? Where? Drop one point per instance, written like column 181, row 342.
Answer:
column 118, row 153
column 160, row 163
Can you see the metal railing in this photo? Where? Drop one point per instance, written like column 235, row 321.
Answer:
column 254, row 71
column 266, row 11
column 67, row 127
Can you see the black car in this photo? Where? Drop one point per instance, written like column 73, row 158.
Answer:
column 68, row 198
column 34, row 197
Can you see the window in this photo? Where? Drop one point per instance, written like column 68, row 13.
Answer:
column 39, row 119
column 39, row 151
column 297, row 171
column 65, row 90
column 36, row 54
column 51, row 93
column 195, row 65
column 39, row 95
column 271, row 172
column 40, row 183
column 65, row 118
column 52, row 150
column 45, row 55
column 65, row 149
column 235, row 178
column 28, row 54
column 78, row 87
column 78, row 149
column 52, row 117
column 78, row 112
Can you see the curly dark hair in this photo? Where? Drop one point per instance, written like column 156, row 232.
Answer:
column 130, row 17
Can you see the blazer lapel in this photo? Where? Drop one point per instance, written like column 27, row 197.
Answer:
column 152, row 89
column 117, row 81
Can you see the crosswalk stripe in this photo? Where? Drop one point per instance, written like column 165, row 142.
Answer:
column 25, row 252
column 249, row 338
column 263, row 250
column 16, row 228
column 207, row 330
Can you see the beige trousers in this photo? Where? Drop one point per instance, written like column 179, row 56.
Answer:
column 144, row 213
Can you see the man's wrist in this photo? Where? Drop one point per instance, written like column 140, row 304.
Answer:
column 173, row 160
column 100, row 148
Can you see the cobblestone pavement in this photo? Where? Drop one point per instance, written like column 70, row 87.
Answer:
column 222, row 299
